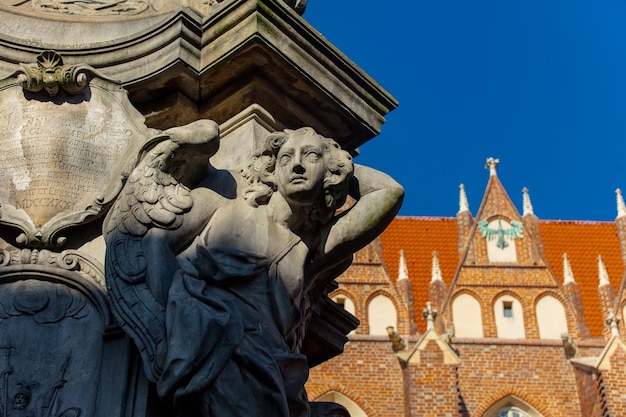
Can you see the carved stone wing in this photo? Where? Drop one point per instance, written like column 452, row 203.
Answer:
column 138, row 265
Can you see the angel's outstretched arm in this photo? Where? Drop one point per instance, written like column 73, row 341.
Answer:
column 378, row 199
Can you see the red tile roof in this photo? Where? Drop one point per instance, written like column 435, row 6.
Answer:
column 419, row 237
column 582, row 241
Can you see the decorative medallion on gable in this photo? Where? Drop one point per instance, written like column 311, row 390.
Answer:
column 504, row 249
column 500, row 235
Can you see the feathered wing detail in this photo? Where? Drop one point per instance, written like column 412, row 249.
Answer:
column 485, row 231
column 151, row 198
column 515, row 232
column 139, row 268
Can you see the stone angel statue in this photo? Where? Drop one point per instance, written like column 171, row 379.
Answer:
column 212, row 272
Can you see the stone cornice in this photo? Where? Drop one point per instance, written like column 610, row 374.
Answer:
column 253, row 44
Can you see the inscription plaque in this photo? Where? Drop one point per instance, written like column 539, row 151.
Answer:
column 62, row 152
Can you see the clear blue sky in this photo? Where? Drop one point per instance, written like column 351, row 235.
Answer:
column 539, row 84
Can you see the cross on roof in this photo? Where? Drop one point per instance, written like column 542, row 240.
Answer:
column 491, row 165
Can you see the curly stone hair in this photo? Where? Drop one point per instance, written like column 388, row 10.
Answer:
column 262, row 182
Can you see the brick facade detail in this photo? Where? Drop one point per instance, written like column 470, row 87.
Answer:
column 578, row 372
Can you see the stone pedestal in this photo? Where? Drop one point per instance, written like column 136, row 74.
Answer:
column 87, row 90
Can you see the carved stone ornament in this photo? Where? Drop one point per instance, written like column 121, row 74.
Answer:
column 68, row 260
column 84, row 7
column 50, row 345
column 92, row 7
column 68, row 136
column 213, row 273
column 124, row 7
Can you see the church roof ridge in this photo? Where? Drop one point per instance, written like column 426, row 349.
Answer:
column 425, row 218
column 581, row 222
column 548, row 221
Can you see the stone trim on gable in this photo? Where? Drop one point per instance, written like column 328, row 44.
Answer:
column 354, row 396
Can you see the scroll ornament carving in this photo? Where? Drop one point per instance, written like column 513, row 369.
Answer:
column 124, row 7
column 87, row 7
column 214, row 273
column 69, row 260
column 50, row 74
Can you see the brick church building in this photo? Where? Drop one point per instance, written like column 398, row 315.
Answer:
column 500, row 314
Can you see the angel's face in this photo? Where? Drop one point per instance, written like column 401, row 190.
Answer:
column 300, row 169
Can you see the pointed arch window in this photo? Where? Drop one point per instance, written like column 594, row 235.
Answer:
column 510, row 412
column 467, row 316
column 337, row 397
column 381, row 313
column 551, row 318
column 345, row 302
column 511, row 406
column 509, row 318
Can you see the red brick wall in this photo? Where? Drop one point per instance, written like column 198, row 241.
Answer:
column 533, row 370
column 606, row 293
column 405, row 293
column 572, row 292
column 433, row 385
column 368, row 373
column 588, row 394
column 537, row 373
column 464, row 223
column 620, row 224
column 437, row 293
column 614, row 385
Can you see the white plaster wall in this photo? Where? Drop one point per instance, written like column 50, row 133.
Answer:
column 496, row 254
column 381, row 313
column 551, row 318
column 509, row 327
column 467, row 317
column 348, row 305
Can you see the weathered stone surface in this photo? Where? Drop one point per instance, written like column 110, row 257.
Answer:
column 215, row 273
column 53, row 368
column 121, row 8
column 65, row 147
column 180, row 66
column 187, row 240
